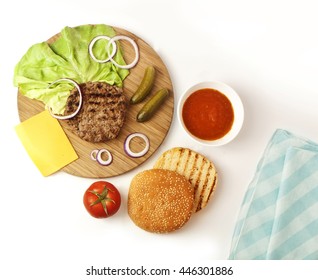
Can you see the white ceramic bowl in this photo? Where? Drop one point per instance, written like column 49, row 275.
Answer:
column 237, row 108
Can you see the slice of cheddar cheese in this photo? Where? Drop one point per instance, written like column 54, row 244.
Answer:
column 46, row 143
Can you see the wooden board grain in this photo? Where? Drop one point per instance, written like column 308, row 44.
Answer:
column 156, row 128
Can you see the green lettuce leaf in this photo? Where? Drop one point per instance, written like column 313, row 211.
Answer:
column 67, row 57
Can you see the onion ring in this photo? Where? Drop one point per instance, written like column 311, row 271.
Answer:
column 132, row 42
column 60, row 117
column 92, row 43
column 127, row 143
column 94, row 154
column 100, row 160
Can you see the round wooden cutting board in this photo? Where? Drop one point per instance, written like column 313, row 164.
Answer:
column 156, row 128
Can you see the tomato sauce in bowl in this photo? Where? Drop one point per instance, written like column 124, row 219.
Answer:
column 211, row 113
column 208, row 114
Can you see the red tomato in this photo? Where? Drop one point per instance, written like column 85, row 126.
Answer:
column 102, row 199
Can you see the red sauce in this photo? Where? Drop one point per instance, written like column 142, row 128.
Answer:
column 208, row 114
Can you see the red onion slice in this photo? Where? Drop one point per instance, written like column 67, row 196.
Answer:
column 101, row 161
column 94, row 154
column 132, row 42
column 127, row 145
column 61, row 117
column 92, row 43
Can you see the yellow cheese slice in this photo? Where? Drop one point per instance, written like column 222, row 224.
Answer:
column 46, row 143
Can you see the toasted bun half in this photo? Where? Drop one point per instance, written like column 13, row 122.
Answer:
column 160, row 201
column 200, row 172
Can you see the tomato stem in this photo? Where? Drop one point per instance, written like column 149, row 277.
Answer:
column 102, row 198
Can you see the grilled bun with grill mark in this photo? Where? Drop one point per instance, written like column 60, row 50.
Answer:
column 200, row 172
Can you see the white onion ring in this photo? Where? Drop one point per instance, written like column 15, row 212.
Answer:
column 100, row 160
column 132, row 42
column 94, row 154
column 60, row 117
column 127, row 145
column 92, row 43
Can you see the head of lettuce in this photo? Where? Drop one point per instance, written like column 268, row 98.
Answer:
column 67, row 56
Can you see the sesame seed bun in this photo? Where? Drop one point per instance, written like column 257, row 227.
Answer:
column 160, row 200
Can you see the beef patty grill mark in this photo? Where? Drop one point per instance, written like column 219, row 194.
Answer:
column 102, row 114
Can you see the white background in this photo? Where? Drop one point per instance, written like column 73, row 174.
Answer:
column 266, row 50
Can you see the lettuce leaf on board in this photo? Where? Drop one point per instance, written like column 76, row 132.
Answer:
column 67, row 57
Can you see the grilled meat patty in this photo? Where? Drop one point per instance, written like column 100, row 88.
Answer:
column 102, row 114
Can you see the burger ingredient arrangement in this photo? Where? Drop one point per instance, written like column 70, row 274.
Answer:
column 97, row 111
column 160, row 200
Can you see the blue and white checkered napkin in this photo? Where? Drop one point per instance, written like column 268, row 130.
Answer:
column 279, row 214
